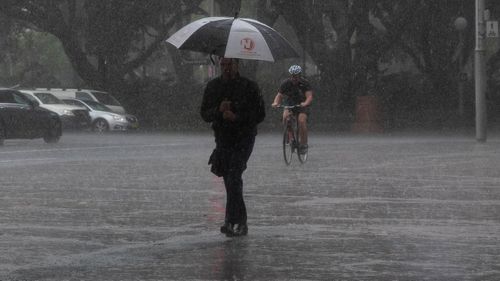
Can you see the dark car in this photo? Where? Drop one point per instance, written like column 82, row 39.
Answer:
column 72, row 117
column 21, row 118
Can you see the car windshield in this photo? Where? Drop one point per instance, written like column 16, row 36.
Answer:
column 74, row 102
column 83, row 96
column 30, row 97
column 47, row 98
column 105, row 98
column 98, row 106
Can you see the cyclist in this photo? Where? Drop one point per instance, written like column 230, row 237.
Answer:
column 296, row 90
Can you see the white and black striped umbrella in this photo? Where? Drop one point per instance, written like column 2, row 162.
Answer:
column 233, row 38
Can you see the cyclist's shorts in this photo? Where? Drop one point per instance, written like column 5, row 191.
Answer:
column 305, row 110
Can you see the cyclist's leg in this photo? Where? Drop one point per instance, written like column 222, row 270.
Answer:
column 303, row 128
column 286, row 113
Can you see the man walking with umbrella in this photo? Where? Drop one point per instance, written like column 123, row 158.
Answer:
column 234, row 106
column 232, row 103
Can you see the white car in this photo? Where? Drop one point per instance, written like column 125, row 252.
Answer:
column 93, row 95
column 103, row 118
column 72, row 117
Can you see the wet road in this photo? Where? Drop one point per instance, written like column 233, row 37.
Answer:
column 145, row 207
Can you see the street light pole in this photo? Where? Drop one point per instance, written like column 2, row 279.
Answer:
column 460, row 25
column 480, row 73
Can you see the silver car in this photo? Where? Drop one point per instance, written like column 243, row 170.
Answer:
column 103, row 118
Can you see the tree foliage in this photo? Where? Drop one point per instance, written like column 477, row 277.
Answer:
column 367, row 32
column 346, row 39
column 104, row 40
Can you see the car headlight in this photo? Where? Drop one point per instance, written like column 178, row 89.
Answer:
column 67, row 112
column 118, row 118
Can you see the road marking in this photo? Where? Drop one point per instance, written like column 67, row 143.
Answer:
column 89, row 148
column 26, row 160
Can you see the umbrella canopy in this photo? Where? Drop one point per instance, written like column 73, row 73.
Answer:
column 233, row 38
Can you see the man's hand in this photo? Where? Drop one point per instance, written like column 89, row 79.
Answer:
column 229, row 115
column 303, row 104
column 275, row 104
column 225, row 106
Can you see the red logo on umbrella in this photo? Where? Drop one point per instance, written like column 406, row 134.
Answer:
column 247, row 43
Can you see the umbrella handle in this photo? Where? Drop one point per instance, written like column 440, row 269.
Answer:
column 212, row 58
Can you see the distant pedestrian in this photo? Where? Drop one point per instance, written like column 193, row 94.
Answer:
column 234, row 106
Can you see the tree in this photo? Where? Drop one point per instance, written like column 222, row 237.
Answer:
column 229, row 7
column 7, row 45
column 367, row 31
column 104, row 40
column 432, row 42
column 29, row 57
column 322, row 30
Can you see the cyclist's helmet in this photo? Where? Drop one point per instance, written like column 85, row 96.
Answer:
column 295, row 69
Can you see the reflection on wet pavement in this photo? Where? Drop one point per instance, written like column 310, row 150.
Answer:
column 146, row 207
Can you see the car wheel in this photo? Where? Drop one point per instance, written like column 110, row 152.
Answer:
column 53, row 134
column 100, row 126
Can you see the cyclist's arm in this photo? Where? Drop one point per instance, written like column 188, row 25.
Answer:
column 309, row 99
column 277, row 99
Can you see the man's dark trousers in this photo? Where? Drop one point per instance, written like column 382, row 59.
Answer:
column 239, row 153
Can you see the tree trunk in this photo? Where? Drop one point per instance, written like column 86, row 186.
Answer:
column 79, row 61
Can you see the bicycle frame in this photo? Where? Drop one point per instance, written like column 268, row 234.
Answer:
column 291, row 136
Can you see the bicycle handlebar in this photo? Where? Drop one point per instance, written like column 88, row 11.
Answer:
column 289, row 106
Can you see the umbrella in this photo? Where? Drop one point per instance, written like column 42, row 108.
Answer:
column 233, row 38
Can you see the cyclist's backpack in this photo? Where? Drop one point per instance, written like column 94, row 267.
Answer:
column 261, row 110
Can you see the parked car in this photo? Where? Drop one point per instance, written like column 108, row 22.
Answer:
column 93, row 95
column 103, row 118
column 21, row 118
column 72, row 117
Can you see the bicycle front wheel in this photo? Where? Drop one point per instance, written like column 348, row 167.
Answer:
column 288, row 142
column 302, row 156
column 301, row 153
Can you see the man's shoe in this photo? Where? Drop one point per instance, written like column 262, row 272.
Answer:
column 241, row 230
column 226, row 227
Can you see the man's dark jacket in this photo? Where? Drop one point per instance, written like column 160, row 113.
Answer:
column 244, row 95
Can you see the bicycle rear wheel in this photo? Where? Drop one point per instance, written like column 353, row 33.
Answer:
column 288, row 143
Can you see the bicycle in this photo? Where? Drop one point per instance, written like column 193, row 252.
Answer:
column 291, row 136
